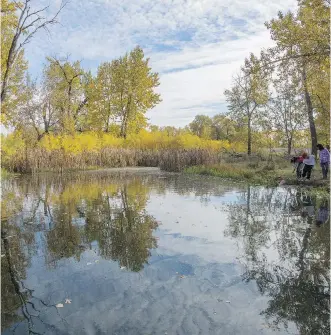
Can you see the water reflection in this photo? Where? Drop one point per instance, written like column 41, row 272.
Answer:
column 280, row 237
column 72, row 216
column 296, row 275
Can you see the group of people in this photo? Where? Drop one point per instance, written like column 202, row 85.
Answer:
column 306, row 162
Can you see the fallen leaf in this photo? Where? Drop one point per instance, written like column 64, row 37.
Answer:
column 67, row 301
column 59, row 305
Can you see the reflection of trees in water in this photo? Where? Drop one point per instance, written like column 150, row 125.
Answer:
column 113, row 215
column 72, row 214
column 19, row 221
column 63, row 241
column 159, row 183
column 298, row 281
column 13, row 265
column 18, row 302
column 75, row 212
column 121, row 226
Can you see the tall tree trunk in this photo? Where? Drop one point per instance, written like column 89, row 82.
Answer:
column 289, row 145
column 9, row 65
column 4, row 85
column 309, row 106
column 249, row 138
column 123, row 127
column 26, row 157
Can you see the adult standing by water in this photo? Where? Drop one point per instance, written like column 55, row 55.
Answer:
column 324, row 160
column 309, row 161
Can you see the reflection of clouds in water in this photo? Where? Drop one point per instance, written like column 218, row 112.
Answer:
column 205, row 249
column 155, row 301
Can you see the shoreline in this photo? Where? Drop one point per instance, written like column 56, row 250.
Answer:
column 229, row 173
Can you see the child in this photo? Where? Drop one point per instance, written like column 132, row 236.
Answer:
column 298, row 165
column 309, row 161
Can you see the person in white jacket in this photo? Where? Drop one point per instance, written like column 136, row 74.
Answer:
column 309, row 161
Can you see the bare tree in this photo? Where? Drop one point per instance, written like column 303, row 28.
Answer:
column 37, row 110
column 28, row 24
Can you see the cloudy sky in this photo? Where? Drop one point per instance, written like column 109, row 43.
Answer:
column 195, row 45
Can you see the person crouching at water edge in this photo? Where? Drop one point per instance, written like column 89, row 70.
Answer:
column 309, row 163
column 297, row 162
column 324, row 160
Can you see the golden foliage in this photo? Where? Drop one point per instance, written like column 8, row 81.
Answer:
column 145, row 140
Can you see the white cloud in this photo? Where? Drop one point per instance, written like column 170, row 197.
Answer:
column 205, row 41
column 189, row 92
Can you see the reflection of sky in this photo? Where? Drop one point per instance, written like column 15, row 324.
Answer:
column 157, row 301
column 191, row 227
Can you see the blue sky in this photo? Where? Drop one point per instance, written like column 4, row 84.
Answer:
column 195, row 45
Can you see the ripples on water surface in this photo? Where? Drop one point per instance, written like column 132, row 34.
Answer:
column 155, row 253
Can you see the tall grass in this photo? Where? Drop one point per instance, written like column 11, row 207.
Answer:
column 38, row 159
column 83, row 151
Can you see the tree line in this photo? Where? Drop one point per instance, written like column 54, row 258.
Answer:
column 287, row 87
column 283, row 93
column 69, row 98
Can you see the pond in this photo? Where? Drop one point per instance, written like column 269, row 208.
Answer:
column 147, row 252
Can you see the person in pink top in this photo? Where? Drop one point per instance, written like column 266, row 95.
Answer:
column 324, row 160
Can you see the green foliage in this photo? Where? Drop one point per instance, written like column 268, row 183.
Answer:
column 223, row 128
column 201, row 126
column 9, row 22
column 248, row 93
column 67, row 83
column 303, row 38
column 71, row 101
column 129, row 90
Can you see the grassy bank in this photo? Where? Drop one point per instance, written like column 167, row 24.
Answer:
column 265, row 173
column 235, row 172
column 86, row 150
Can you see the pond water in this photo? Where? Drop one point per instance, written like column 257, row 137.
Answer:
column 138, row 252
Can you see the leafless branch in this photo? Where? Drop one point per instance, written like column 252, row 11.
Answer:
column 37, row 22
